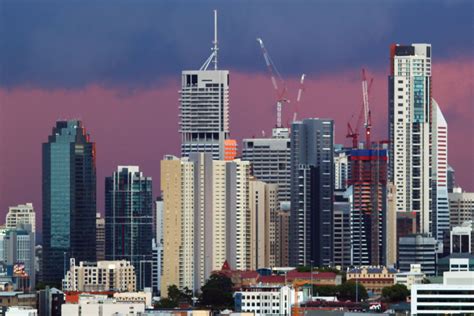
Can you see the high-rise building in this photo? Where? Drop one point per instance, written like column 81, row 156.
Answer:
column 21, row 214
column 238, row 251
column 270, row 163
column 461, row 207
column 391, row 224
column 369, row 208
column 69, row 199
column 312, row 188
column 419, row 249
column 17, row 251
column 410, row 121
column 100, row 276
column 342, row 167
column 204, row 109
column 157, row 247
column 129, row 220
column 177, row 187
column 100, row 237
column 451, row 179
column 342, row 227
column 263, row 204
column 206, row 218
column 439, row 140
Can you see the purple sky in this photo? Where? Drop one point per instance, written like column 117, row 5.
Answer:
column 118, row 71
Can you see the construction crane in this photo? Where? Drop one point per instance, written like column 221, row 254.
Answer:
column 367, row 115
column 298, row 97
column 281, row 89
column 296, row 286
column 365, row 112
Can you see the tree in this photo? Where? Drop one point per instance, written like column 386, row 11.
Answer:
column 347, row 291
column 165, row 303
column 217, row 292
column 175, row 297
column 395, row 293
column 325, row 290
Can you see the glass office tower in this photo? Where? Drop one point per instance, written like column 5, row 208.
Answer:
column 129, row 220
column 69, row 199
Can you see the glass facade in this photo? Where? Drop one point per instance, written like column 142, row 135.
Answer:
column 69, row 199
column 129, row 220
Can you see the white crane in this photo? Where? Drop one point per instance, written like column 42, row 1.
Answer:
column 298, row 97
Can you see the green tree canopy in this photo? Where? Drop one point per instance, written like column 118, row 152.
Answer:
column 347, row 291
column 217, row 292
column 395, row 293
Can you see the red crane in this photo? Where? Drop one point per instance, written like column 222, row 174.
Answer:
column 365, row 111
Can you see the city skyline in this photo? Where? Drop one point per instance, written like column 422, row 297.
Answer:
column 150, row 110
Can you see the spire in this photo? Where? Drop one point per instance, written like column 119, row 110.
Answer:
column 213, row 57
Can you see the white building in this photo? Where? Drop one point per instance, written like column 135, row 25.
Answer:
column 21, row 214
column 100, row 305
column 414, row 276
column 143, row 297
column 454, row 296
column 204, row 107
column 266, row 300
column 410, row 115
column 341, row 167
column 100, row 276
column 460, row 240
column 441, row 219
column 157, row 247
column 21, row 311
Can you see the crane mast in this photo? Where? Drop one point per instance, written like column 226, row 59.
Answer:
column 275, row 77
column 298, row 97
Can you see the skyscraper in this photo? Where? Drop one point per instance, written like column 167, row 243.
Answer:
column 341, row 167
column 100, row 237
column 439, row 140
column 69, row 199
column 270, row 163
column 368, row 215
column 410, row 121
column 21, row 214
column 129, row 220
column 312, row 188
column 204, row 109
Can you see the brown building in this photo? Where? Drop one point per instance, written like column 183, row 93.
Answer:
column 374, row 279
column 8, row 299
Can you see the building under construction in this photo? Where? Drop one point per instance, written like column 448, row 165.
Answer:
column 369, row 185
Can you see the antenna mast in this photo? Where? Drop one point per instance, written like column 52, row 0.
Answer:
column 214, row 48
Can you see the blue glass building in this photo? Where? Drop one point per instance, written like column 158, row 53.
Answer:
column 69, row 199
column 129, row 221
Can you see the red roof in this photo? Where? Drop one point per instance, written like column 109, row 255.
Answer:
column 248, row 274
column 272, row 279
column 293, row 274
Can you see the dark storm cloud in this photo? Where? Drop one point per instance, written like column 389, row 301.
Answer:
column 73, row 43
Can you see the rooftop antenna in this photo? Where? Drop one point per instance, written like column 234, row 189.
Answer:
column 213, row 57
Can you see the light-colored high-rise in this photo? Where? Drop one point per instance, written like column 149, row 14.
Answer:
column 204, row 107
column 410, row 120
column 100, row 237
column 177, row 186
column 21, row 214
column 263, row 201
column 100, row 276
column 461, row 207
column 206, row 218
column 270, row 159
column 439, row 174
column 341, row 167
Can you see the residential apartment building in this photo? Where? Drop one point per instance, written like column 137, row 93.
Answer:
column 100, row 237
column 270, row 163
column 342, row 227
column 100, row 276
column 21, row 214
column 410, row 121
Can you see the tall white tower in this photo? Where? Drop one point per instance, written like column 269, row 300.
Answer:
column 204, row 109
column 440, row 173
column 410, row 119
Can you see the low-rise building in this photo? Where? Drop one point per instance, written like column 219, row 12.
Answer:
column 266, row 300
column 117, row 276
column 21, row 311
column 49, row 301
column 9, row 299
column 101, row 305
column 144, row 297
column 415, row 276
column 454, row 296
column 373, row 278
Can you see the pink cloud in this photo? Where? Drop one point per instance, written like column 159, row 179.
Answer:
column 140, row 126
